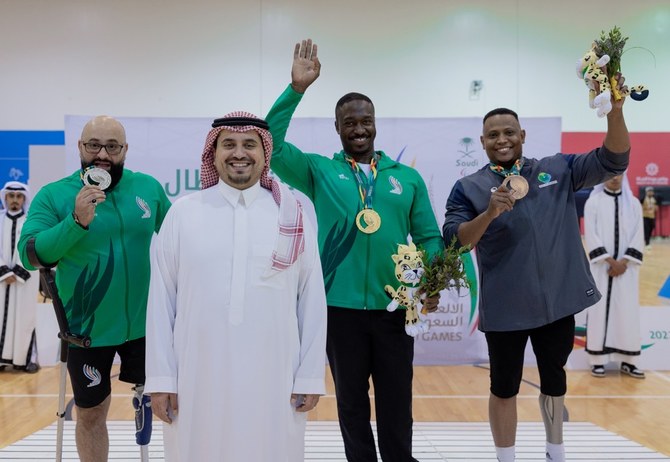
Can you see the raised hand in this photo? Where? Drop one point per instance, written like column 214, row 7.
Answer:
column 617, row 138
column 618, row 88
column 306, row 66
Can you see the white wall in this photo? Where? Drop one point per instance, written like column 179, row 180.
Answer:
column 413, row 58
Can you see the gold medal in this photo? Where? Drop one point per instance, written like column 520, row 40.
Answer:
column 371, row 221
column 517, row 185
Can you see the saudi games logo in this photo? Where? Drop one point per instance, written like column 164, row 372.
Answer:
column 467, row 162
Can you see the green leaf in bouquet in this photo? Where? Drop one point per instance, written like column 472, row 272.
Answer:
column 612, row 44
column 444, row 270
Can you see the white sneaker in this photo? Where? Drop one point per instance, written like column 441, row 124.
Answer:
column 598, row 371
column 631, row 370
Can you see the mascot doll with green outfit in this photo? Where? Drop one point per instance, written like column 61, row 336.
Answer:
column 599, row 68
column 421, row 276
column 408, row 270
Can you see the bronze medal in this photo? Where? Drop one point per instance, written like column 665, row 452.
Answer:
column 517, row 185
column 371, row 221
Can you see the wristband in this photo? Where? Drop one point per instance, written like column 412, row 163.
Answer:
column 76, row 220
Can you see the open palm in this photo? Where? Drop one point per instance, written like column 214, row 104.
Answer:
column 306, row 66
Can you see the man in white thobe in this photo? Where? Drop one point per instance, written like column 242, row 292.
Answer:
column 18, row 286
column 614, row 242
column 236, row 321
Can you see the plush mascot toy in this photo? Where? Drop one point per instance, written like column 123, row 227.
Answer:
column 592, row 69
column 408, row 271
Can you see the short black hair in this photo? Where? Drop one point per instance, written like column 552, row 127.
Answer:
column 353, row 96
column 500, row 111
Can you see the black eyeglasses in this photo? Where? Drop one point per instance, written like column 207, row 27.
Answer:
column 111, row 148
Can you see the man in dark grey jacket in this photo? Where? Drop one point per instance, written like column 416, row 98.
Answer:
column 533, row 270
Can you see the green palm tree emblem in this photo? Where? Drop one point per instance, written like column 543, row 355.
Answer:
column 89, row 291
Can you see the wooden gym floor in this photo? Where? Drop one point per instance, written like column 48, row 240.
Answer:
column 635, row 409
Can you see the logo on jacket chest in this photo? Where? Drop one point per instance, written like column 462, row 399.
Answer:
column 144, row 207
column 545, row 179
column 396, row 185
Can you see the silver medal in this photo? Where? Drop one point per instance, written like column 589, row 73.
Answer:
column 99, row 177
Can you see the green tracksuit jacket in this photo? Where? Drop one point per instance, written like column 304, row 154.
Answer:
column 356, row 266
column 103, row 272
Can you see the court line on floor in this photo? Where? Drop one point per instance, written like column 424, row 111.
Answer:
column 486, row 396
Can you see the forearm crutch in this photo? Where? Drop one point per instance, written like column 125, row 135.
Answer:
column 66, row 337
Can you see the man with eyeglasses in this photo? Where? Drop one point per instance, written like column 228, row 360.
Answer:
column 99, row 237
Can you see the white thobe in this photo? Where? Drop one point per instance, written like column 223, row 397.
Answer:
column 613, row 324
column 231, row 336
column 18, row 301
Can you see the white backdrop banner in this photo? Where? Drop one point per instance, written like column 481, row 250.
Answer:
column 442, row 150
column 654, row 341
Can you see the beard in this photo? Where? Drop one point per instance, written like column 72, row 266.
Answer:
column 115, row 171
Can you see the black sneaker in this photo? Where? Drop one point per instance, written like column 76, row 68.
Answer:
column 31, row 368
column 631, row 370
column 598, row 371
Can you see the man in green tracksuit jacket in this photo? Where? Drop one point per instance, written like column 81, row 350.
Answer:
column 366, row 204
column 100, row 241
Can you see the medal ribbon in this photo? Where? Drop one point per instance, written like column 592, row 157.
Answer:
column 365, row 193
column 502, row 171
column 82, row 172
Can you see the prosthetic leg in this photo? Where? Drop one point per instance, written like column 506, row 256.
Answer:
column 551, row 408
column 66, row 338
column 552, row 415
column 143, row 416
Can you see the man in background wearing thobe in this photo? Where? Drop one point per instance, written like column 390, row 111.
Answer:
column 18, row 286
column 614, row 238
column 236, row 324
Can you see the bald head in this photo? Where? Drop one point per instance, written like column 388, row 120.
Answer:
column 104, row 128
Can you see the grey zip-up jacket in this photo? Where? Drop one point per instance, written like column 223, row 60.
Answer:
column 532, row 266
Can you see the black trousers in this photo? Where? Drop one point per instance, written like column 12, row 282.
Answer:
column 372, row 343
column 649, row 225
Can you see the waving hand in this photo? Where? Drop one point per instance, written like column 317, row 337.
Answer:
column 306, row 66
